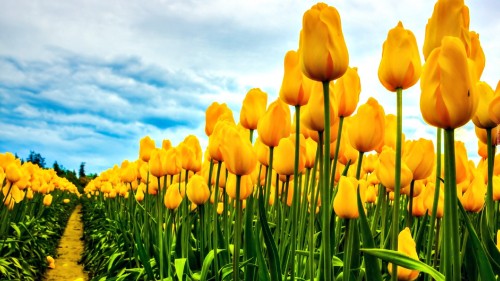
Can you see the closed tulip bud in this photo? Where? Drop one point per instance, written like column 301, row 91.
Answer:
column 494, row 107
column 407, row 247
column 400, row 66
column 173, row 197
column 390, row 134
column 477, row 54
column 166, row 144
column 254, row 106
column 370, row 162
column 449, row 18
column 323, row 52
column 473, row 199
column 311, row 148
column 275, row 124
column 158, row 163
column 238, row 153
column 128, row 171
column 482, row 149
column 370, row 194
column 482, row 118
column 418, row 209
column 246, row 186
column 13, row 172
column 345, row 203
column 386, row 170
column 461, row 162
column 366, row 138
column 347, row 153
column 284, row 155
column 419, row 157
column 313, row 115
column 296, row 87
column 139, row 195
column 346, row 90
column 214, row 140
column 428, row 194
column 262, row 152
column 214, row 113
column 146, row 146
column 29, row 194
column 482, row 136
column 498, row 240
column 47, row 200
column 174, row 161
column 448, row 98
column 197, row 190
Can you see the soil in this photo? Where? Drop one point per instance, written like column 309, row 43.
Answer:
column 69, row 252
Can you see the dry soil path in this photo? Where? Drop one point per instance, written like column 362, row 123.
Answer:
column 69, row 252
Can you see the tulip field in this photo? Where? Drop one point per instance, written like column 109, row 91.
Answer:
column 313, row 185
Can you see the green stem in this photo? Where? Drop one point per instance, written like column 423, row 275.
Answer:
column 348, row 240
column 489, row 191
column 216, row 220
column 410, row 209
column 397, row 187
column 325, row 187
column 237, row 233
column 160, row 230
column 312, row 211
column 452, row 250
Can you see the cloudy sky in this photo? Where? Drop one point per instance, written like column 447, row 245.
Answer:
column 83, row 81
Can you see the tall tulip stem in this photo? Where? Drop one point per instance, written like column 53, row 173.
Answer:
column 295, row 198
column 237, row 232
column 397, row 187
column 490, row 210
column 325, row 188
column 452, row 247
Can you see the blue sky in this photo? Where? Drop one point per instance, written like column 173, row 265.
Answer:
column 83, row 81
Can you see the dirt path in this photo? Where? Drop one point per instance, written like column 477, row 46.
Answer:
column 69, row 252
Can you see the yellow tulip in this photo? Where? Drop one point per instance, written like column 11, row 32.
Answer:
column 366, row 138
column 482, row 118
column 275, row 124
column 494, row 107
column 284, row 155
column 419, row 157
column 345, row 203
column 51, row 261
column 128, row 171
column 461, row 162
column 473, row 199
column 313, row 114
column 238, row 153
column 370, row 194
column 496, row 188
column 246, row 186
column 13, row 172
column 158, row 163
column 448, row 98
column 214, row 113
column 166, row 144
column 262, row 152
column 214, row 140
column 174, row 161
column 47, row 200
column 386, row 169
column 346, row 90
column 295, row 87
column 418, row 209
column 311, row 148
column 370, row 162
column 482, row 136
column 449, row 18
column 145, row 147
column 400, row 66
column 254, row 106
column 408, row 247
column 428, row 194
column 66, row 201
column 172, row 198
column 498, row 240
column 197, row 190
column 477, row 54
column 323, row 52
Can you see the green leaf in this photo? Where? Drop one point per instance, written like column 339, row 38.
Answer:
column 179, row 267
column 113, row 258
column 405, row 261
column 16, row 229
column 491, row 248
column 273, row 259
column 372, row 265
column 485, row 270
column 336, row 261
column 143, row 255
column 207, row 262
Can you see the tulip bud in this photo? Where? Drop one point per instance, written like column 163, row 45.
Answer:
column 146, row 146
column 366, row 138
column 214, row 113
column 158, row 163
column 166, row 144
column 246, row 186
column 197, row 190
column 477, row 54
column 400, row 66
column 323, row 52
column 66, row 201
column 482, row 118
column 13, row 172
column 345, row 203
column 346, row 90
column 254, row 106
column 172, row 198
column 408, row 247
column 473, row 199
column 128, row 172
column 419, row 157
column 296, row 87
column 47, row 200
column 494, row 107
column 428, row 194
column 51, row 261
column 284, row 155
column 275, row 123
column 237, row 151
column 313, row 114
column 386, row 170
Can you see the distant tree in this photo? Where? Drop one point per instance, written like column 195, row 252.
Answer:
column 36, row 158
column 58, row 169
column 81, row 172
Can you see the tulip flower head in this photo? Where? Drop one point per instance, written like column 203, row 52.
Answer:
column 146, row 146
column 197, row 190
column 346, row 91
column 254, row 106
column 408, row 247
column 345, row 202
column 367, row 138
column 275, row 124
column 296, row 87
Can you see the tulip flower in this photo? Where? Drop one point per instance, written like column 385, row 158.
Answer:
column 473, row 199
column 386, row 169
column 323, row 52
column 253, row 108
column 238, row 152
column 366, row 138
column 197, row 190
column 346, row 91
column 313, row 114
column 214, row 113
column 494, row 107
column 311, row 148
column 146, row 146
column 400, row 66
column 498, row 240
column 428, row 194
column 166, row 144
column 482, row 119
column 128, row 171
column 496, row 188
column 449, row 18
column 449, row 98
column 174, row 161
column 51, row 261
column 345, row 202
column 408, row 247
column 173, row 197
column 275, row 124
column 482, row 136
column 418, row 209
column 295, row 87
column 13, row 172
column 284, row 155
column 370, row 162
column 419, row 157
column 477, row 55
column 47, row 200
column 158, row 163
